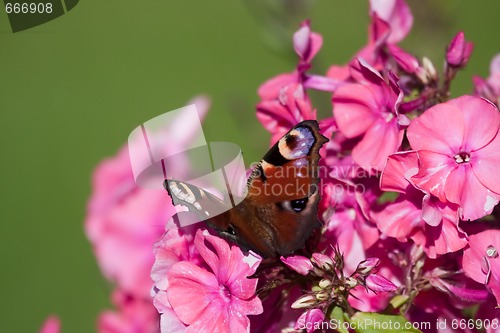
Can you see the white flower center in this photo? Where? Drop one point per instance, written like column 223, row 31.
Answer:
column 462, row 157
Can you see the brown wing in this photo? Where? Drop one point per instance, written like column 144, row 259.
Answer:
column 280, row 210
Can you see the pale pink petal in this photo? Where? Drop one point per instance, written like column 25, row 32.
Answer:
column 485, row 164
column 433, row 171
column 398, row 170
column 481, row 119
column 381, row 140
column 220, row 260
column 191, row 290
column 439, row 129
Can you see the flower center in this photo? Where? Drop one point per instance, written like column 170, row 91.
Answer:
column 462, row 157
column 224, row 293
column 387, row 114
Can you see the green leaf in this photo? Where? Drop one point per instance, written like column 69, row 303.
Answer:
column 339, row 318
column 370, row 322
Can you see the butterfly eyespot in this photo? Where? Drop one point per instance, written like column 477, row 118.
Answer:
column 294, row 205
column 299, row 205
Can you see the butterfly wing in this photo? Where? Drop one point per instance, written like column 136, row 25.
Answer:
column 280, row 210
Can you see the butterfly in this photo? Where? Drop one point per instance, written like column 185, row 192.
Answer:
column 279, row 211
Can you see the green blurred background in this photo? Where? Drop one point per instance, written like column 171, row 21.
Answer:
column 71, row 91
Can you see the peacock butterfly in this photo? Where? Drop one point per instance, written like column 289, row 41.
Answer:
column 279, row 211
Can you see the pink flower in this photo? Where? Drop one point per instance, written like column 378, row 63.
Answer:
column 51, row 325
column 489, row 88
column 481, row 260
column 459, row 152
column 416, row 214
column 397, row 14
column 123, row 220
column 310, row 320
column 291, row 107
column 217, row 299
column 459, row 51
column 369, row 109
column 134, row 315
column 306, row 44
column 123, row 225
column 300, row 264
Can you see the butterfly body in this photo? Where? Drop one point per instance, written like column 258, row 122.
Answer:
column 279, row 211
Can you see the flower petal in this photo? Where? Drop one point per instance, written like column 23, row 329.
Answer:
column 434, row 169
column 439, row 129
column 486, row 167
column 191, row 290
column 398, row 170
column 481, row 120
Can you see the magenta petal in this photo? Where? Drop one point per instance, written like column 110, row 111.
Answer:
column 455, row 183
column 352, row 109
column 398, row 219
column 190, row 291
column 445, row 238
column 301, row 40
column 439, row 129
column 213, row 318
column 381, row 140
column 476, row 200
column 481, row 119
column 394, row 177
column 398, row 14
column 485, row 164
column 300, row 264
column 433, row 171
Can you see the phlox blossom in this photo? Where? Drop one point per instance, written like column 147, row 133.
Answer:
column 369, row 109
column 481, row 260
column 416, row 214
column 459, row 152
column 218, row 296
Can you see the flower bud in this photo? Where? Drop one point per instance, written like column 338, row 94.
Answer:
column 459, row 51
column 308, row 320
column 378, row 283
column 322, row 260
column 325, row 283
column 304, row 302
column 300, row 264
column 367, row 265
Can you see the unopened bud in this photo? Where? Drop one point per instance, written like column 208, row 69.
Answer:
column 304, row 302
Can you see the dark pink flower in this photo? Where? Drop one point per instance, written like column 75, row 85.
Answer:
column 459, row 51
column 310, row 320
column 459, row 152
column 218, row 299
column 51, row 325
column 397, row 14
column 416, row 214
column 481, row 260
column 369, row 109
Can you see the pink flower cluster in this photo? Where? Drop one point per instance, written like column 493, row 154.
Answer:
column 409, row 194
